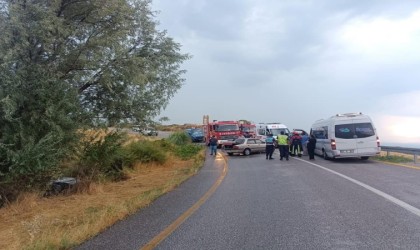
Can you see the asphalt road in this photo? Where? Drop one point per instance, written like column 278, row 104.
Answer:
column 272, row 204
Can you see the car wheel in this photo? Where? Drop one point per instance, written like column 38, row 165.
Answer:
column 247, row 151
column 325, row 155
column 230, row 153
column 364, row 157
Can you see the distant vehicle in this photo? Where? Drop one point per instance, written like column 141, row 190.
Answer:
column 188, row 131
column 245, row 146
column 248, row 130
column 197, row 135
column 224, row 131
column 349, row 135
column 149, row 132
column 136, row 128
column 274, row 128
column 299, row 131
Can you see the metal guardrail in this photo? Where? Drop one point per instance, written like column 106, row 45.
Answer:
column 411, row 151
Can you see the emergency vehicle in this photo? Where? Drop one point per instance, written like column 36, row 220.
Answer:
column 247, row 128
column 274, row 128
column 224, row 131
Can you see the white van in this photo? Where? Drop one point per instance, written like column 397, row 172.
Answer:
column 274, row 128
column 349, row 135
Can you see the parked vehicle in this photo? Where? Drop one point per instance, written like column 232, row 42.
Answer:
column 248, row 130
column 274, row 128
column 136, row 129
column 224, row 131
column 197, row 135
column 149, row 132
column 245, row 146
column 349, row 135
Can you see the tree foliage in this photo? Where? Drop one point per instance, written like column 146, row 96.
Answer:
column 66, row 64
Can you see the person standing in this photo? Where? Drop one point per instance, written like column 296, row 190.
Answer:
column 311, row 147
column 305, row 139
column 283, row 144
column 213, row 145
column 296, row 144
column 269, row 147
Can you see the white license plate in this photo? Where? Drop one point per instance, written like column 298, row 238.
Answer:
column 347, row 151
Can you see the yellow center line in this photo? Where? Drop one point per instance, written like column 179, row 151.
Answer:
column 399, row 164
column 171, row 228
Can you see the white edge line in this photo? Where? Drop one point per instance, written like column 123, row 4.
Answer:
column 394, row 200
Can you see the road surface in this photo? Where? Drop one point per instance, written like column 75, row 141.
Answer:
column 273, row 204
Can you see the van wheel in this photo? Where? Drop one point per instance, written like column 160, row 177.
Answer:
column 325, row 155
column 247, row 151
column 364, row 157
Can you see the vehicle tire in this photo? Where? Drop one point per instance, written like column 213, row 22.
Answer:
column 247, row 151
column 325, row 155
column 364, row 157
column 230, row 154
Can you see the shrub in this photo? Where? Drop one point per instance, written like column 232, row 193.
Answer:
column 187, row 151
column 102, row 155
column 146, row 151
column 179, row 138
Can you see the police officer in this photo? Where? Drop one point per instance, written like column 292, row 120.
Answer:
column 283, row 143
column 269, row 147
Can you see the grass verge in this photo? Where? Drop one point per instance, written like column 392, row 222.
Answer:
column 394, row 158
column 63, row 222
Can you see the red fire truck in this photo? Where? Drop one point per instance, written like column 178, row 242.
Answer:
column 247, row 128
column 225, row 131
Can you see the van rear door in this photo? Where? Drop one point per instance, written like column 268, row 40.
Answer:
column 344, row 137
column 366, row 138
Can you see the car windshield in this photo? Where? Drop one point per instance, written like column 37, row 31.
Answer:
column 226, row 127
column 247, row 129
column 197, row 132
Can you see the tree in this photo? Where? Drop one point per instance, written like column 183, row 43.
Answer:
column 67, row 64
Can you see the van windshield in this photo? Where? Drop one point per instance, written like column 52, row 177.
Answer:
column 277, row 131
column 354, row 130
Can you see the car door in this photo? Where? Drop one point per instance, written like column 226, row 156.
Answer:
column 259, row 145
column 250, row 143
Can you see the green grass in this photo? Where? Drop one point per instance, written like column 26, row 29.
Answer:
column 393, row 158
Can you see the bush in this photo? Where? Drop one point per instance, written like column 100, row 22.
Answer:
column 187, row 151
column 103, row 155
column 179, row 138
column 146, row 151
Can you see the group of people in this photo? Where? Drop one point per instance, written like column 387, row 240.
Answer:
column 293, row 145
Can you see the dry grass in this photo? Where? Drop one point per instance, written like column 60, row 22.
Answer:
column 61, row 222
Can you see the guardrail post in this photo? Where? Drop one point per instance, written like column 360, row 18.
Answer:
column 387, row 153
column 415, row 158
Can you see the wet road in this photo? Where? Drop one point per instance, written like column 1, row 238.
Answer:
column 272, row 204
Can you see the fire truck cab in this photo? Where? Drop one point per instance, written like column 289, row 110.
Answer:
column 224, row 131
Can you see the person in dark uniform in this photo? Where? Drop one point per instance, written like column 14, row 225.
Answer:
column 213, row 145
column 311, row 147
column 269, row 147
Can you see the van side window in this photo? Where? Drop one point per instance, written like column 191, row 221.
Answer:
column 319, row 134
column 325, row 128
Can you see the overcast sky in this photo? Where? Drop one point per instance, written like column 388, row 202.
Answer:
column 298, row 61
